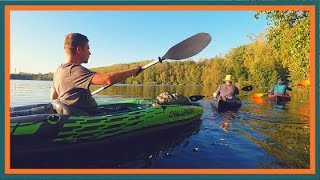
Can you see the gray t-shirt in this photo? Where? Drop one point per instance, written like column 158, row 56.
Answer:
column 71, row 82
column 227, row 91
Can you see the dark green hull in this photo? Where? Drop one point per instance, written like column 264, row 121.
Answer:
column 49, row 131
column 225, row 105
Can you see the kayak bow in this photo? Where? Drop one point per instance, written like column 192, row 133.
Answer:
column 38, row 131
column 228, row 104
column 279, row 97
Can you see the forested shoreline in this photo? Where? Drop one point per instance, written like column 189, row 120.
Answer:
column 30, row 76
column 281, row 51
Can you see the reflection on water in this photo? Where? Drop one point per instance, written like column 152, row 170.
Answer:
column 258, row 135
column 148, row 91
column 227, row 121
column 131, row 152
column 286, row 129
column 26, row 92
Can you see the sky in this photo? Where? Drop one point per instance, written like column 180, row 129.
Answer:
column 37, row 37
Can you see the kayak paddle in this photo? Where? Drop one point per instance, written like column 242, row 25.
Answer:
column 258, row 95
column 199, row 97
column 196, row 97
column 302, row 83
column 185, row 49
column 247, row 88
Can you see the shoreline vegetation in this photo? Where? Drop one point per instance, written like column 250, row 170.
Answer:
column 30, row 76
column 283, row 51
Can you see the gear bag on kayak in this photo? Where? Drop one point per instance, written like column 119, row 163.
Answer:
column 167, row 98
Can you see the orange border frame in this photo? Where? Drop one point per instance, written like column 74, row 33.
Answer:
column 9, row 8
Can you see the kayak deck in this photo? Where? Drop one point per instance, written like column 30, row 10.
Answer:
column 225, row 105
column 279, row 97
column 39, row 131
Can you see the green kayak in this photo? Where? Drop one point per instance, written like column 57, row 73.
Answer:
column 38, row 127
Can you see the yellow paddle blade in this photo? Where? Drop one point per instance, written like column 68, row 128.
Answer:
column 258, row 95
column 304, row 83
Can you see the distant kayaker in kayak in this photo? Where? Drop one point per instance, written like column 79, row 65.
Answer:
column 227, row 90
column 71, row 81
column 280, row 88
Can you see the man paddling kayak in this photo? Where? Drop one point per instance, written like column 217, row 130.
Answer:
column 70, row 89
column 225, row 96
column 280, row 88
column 227, row 90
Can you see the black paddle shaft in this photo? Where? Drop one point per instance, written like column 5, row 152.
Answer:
column 247, row 88
column 199, row 97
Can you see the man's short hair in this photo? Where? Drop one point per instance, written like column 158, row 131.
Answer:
column 73, row 40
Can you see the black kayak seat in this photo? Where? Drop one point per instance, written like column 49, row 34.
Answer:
column 63, row 109
column 31, row 110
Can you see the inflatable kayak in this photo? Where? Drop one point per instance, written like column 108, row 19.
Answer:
column 224, row 105
column 279, row 97
column 38, row 127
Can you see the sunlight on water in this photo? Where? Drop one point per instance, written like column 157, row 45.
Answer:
column 25, row 92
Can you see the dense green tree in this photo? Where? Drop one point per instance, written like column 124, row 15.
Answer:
column 290, row 37
column 261, row 63
column 214, row 71
column 235, row 64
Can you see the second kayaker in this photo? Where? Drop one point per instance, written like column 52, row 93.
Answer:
column 227, row 90
column 280, row 88
column 70, row 89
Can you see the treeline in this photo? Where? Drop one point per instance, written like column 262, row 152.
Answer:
column 281, row 51
column 30, row 76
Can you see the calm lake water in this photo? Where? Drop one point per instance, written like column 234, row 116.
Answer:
column 259, row 135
